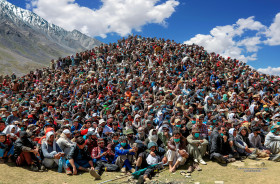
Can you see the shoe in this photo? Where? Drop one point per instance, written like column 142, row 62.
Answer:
column 276, row 158
column 252, row 156
column 42, row 168
column 68, row 171
column 123, row 170
column 140, row 180
column 195, row 160
column 95, row 174
column 202, row 162
column 221, row 160
column 190, row 169
column 231, row 160
column 2, row 161
column 34, row 168
column 196, row 167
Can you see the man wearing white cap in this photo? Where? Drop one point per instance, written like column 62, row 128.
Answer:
column 64, row 141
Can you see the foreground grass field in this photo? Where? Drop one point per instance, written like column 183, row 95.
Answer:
column 249, row 171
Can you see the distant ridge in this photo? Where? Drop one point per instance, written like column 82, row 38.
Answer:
column 28, row 41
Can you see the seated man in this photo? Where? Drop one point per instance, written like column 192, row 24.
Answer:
column 154, row 156
column 255, row 140
column 164, row 136
column 51, row 151
column 220, row 148
column 197, row 146
column 177, row 150
column 64, row 141
column 26, row 151
column 6, row 148
column 272, row 142
column 79, row 159
column 91, row 141
column 243, row 144
column 101, row 156
column 123, row 155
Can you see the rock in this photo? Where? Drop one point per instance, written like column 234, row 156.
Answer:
column 238, row 164
column 256, row 164
column 196, row 182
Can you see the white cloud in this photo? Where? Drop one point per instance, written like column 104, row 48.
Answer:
column 222, row 40
column 118, row 16
column 273, row 33
column 270, row 70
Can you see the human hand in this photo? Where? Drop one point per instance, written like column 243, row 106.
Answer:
column 153, row 153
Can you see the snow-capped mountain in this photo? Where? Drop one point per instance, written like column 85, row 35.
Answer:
column 27, row 35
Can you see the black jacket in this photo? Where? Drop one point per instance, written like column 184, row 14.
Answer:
column 21, row 145
column 219, row 146
column 75, row 151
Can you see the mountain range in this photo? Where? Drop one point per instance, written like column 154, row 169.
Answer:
column 28, row 41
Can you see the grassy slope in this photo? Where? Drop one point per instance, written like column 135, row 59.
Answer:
column 211, row 173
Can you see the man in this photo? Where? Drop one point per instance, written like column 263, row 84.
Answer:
column 123, row 155
column 255, row 140
column 13, row 117
column 2, row 125
column 106, row 129
column 91, row 141
column 177, row 150
column 26, row 151
column 154, row 156
column 202, row 127
column 102, row 157
column 76, row 125
column 164, row 136
column 130, row 137
column 272, row 142
column 220, row 148
column 197, row 146
column 64, row 141
column 79, row 159
column 51, row 151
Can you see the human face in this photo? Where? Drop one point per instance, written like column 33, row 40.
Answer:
column 223, row 130
column 101, row 144
column 81, row 146
column 2, row 138
column 153, row 148
column 243, row 132
column 177, row 136
column 51, row 139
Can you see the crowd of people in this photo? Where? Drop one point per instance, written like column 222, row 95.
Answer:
column 139, row 103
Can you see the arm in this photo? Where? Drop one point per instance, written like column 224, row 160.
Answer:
column 170, row 145
column 191, row 141
column 121, row 151
column 45, row 151
column 95, row 154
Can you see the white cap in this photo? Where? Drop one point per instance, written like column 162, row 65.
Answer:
column 66, row 131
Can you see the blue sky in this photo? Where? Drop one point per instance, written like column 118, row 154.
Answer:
column 246, row 23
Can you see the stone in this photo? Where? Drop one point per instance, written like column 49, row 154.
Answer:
column 238, row 164
column 256, row 164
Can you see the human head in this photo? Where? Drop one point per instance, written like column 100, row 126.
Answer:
column 80, row 142
column 2, row 137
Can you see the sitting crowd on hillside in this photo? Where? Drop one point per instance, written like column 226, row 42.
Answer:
column 139, row 103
